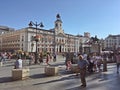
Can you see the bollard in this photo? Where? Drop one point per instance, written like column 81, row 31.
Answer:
column 20, row 74
column 1, row 63
column 51, row 71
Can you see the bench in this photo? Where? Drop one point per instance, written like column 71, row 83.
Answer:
column 51, row 70
column 20, row 74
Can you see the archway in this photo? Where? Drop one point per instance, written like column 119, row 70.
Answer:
column 60, row 49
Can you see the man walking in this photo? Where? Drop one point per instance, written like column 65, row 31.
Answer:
column 82, row 64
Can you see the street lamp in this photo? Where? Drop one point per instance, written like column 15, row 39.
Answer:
column 36, row 37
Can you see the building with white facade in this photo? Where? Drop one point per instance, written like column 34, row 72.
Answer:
column 53, row 40
column 112, row 42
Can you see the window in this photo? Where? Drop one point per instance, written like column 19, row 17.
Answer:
column 56, row 25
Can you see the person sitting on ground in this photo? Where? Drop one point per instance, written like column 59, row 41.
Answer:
column 18, row 63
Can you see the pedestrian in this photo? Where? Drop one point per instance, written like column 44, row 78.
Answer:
column 91, row 64
column 31, row 58
column 1, row 60
column 41, row 57
column 48, row 58
column 63, row 55
column 4, row 56
column 18, row 63
column 68, row 61
column 99, row 62
column 54, row 57
column 118, row 61
column 82, row 65
column 94, row 60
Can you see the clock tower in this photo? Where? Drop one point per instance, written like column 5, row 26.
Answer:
column 58, row 25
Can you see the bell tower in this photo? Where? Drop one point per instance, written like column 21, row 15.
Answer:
column 58, row 25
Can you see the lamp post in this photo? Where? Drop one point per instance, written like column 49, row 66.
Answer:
column 36, row 37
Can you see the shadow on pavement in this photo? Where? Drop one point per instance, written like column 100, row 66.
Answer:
column 5, row 79
column 35, row 67
column 61, row 79
column 57, row 64
column 35, row 76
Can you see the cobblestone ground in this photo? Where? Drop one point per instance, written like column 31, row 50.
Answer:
column 65, row 80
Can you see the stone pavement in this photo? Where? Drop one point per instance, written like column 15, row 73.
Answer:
column 66, row 80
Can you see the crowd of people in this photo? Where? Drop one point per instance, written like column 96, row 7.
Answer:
column 4, row 56
column 90, row 63
column 85, row 62
column 94, row 59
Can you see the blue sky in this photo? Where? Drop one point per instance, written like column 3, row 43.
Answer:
column 99, row 17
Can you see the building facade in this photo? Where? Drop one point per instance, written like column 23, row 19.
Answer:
column 53, row 40
column 5, row 29
column 112, row 42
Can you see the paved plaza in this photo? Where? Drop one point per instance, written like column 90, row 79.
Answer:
column 65, row 80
